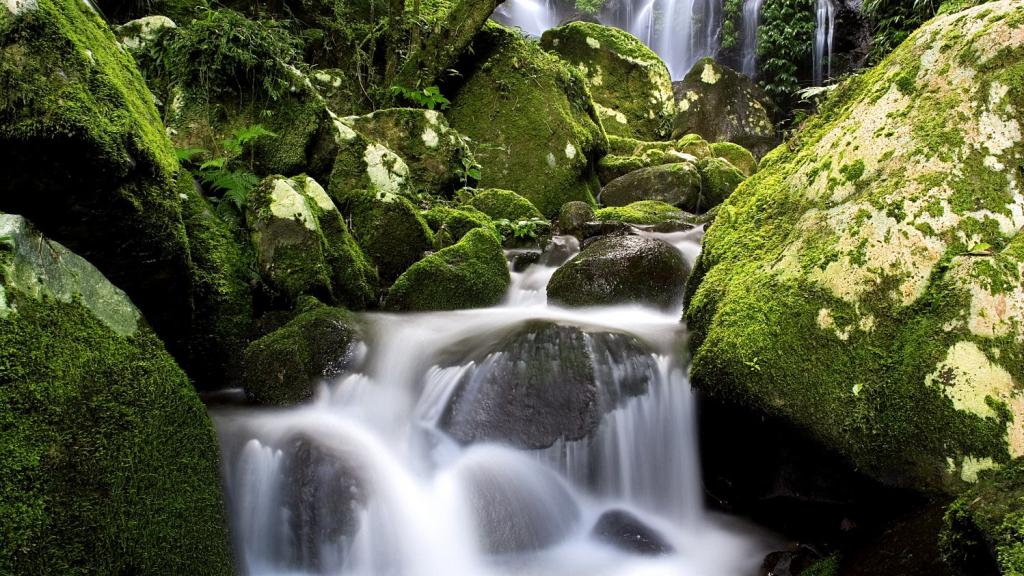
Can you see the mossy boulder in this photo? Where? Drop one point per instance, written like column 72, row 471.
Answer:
column 631, row 86
column 97, row 172
column 984, row 527
column 719, row 179
column 284, row 367
column 181, row 11
column 437, row 156
column 736, row 155
column 471, row 274
column 449, row 224
column 694, row 145
column 302, row 244
column 643, row 212
column 573, row 217
column 86, row 387
column 621, row 270
column 678, row 184
column 722, row 105
column 614, row 166
column 534, row 126
column 503, row 204
column 865, row 285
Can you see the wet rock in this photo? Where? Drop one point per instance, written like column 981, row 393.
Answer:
column 524, row 259
column 722, row 105
column 621, row 270
column 560, row 250
column 543, row 383
column 644, row 212
column 573, row 217
column 625, row 531
column 614, row 227
column 788, row 562
column 678, row 184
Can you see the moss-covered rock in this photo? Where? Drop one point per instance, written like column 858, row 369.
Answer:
column 613, row 166
column 387, row 226
column 722, row 105
column 736, row 155
column 621, row 270
column 284, row 367
column 642, row 212
column 694, row 145
column 719, row 179
column 437, row 156
column 866, row 284
column 630, row 84
column 471, row 274
column 97, row 172
column 532, row 120
column 573, row 217
column 449, row 225
column 678, row 184
column 86, row 389
column 984, row 527
column 503, row 204
column 182, row 11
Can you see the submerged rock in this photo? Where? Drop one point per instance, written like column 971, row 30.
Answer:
column 544, row 383
column 627, row 532
column 86, row 387
column 722, row 105
column 284, row 367
column 470, row 274
column 677, row 184
column 621, row 270
column 630, row 84
column 866, row 285
column 530, row 116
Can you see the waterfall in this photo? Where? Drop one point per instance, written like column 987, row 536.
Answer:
column 825, row 20
column 369, row 479
column 679, row 31
column 751, row 22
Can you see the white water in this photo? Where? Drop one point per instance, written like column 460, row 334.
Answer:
column 681, row 32
column 751, row 22
column 424, row 505
column 824, row 32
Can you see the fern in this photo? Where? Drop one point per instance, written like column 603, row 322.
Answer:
column 430, row 97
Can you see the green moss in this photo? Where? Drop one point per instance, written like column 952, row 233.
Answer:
column 470, row 274
column 624, row 146
column 449, row 225
column 694, row 145
column 503, row 204
column 643, row 212
column 625, row 77
column 720, row 179
column 284, row 367
column 984, row 527
column 826, row 567
column 532, row 120
column 108, row 460
column 736, row 155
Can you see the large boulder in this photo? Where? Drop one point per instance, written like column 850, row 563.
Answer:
column 504, row 204
column 438, row 157
column 621, row 270
column 108, row 462
column 866, row 285
column 531, row 118
column 545, row 382
column 471, row 274
column 631, row 86
column 303, row 246
column 284, row 367
column 96, row 171
column 723, row 105
column 449, row 225
column 678, row 184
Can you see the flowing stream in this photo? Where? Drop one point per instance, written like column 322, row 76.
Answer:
column 369, row 480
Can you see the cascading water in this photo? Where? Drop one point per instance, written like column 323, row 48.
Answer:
column 680, row 31
column 824, row 31
column 751, row 23
column 369, row 480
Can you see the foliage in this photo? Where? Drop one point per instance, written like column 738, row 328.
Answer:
column 785, row 46
column 223, row 51
column 894, row 21
column 520, row 229
column 590, row 6
column 429, row 97
column 230, row 175
column 732, row 19
column 470, row 172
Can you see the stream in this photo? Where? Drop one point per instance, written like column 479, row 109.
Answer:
column 369, row 479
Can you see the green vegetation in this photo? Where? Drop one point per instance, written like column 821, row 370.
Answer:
column 784, row 47
column 643, row 212
column 429, row 97
column 984, row 527
column 231, row 176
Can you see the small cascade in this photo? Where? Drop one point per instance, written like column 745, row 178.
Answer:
column 532, row 16
column 825, row 21
column 751, row 23
column 375, row 477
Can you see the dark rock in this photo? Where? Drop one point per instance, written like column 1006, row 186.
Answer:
column 560, row 250
column 573, row 216
column 678, row 184
column 523, row 260
column 627, row 532
column 788, row 562
column 621, row 270
column 594, row 230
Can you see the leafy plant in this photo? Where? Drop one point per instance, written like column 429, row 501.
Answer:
column 590, row 6
column 519, row 230
column 230, row 176
column 429, row 97
column 785, row 46
column 469, row 172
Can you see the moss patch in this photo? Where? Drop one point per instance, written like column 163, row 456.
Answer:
column 643, row 212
